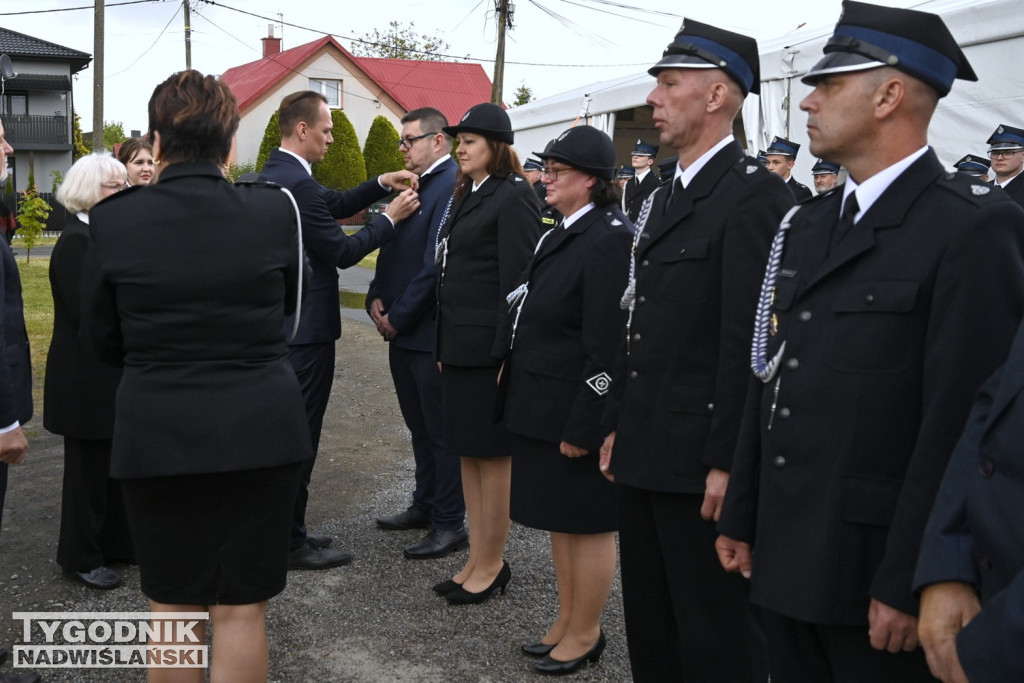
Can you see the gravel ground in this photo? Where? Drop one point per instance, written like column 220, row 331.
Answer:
column 373, row 620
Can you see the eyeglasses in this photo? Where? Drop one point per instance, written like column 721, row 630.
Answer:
column 1003, row 153
column 553, row 172
column 112, row 185
column 406, row 143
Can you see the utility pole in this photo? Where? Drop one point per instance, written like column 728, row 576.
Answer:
column 505, row 9
column 188, row 34
column 97, row 77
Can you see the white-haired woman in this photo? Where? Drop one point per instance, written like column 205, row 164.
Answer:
column 79, row 395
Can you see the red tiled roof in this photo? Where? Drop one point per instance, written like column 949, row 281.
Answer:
column 451, row 87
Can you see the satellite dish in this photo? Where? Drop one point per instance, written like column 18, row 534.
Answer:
column 6, row 71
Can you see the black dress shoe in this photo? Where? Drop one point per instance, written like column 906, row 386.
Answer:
column 556, row 667
column 446, row 587
column 101, row 578
column 412, row 518
column 316, row 541
column 537, row 649
column 461, row 596
column 308, row 557
column 26, row 677
column 3, row 654
column 437, row 543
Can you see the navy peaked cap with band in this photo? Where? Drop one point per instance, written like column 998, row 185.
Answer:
column 762, row 156
column 824, row 167
column 784, row 147
column 532, row 164
column 625, row 172
column 1006, row 138
column 485, row 119
column 585, row 148
column 644, row 149
column 702, row 46
column 973, row 165
column 917, row 43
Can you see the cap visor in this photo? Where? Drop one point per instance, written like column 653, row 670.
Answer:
column 681, row 62
column 839, row 63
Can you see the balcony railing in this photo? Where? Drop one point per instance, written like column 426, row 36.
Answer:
column 36, row 130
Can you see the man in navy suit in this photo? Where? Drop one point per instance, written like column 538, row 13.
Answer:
column 305, row 122
column 402, row 303
column 971, row 566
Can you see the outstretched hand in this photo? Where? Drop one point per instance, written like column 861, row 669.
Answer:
column 400, row 181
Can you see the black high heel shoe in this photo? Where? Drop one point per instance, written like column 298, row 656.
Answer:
column 537, row 649
column 556, row 667
column 461, row 596
column 446, row 587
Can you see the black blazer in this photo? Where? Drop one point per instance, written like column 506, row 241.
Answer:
column 636, row 194
column 490, row 237
column 1015, row 188
column 78, row 400
column 406, row 272
column 888, row 337
column 800, row 191
column 186, row 284
column 569, row 330
column 16, row 369
column 678, row 394
column 974, row 533
column 327, row 245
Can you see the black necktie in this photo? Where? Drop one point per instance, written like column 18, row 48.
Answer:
column 677, row 191
column 850, row 209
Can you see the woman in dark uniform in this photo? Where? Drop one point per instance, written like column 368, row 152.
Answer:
column 567, row 328
column 79, row 394
column 187, row 283
column 494, row 221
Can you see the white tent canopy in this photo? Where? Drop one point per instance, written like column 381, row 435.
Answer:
column 991, row 33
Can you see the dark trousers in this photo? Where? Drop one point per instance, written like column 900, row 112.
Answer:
column 438, row 473
column 800, row 652
column 314, row 367
column 3, row 491
column 686, row 618
column 93, row 523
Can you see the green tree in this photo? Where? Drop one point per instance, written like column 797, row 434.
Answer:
column 381, row 152
column 400, row 42
column 32, row 215
column 271, row 139
column 58, row 178
column 523, row 95
column 343, row 166
column 237, row 170
column 113, row 133
column 78, row 148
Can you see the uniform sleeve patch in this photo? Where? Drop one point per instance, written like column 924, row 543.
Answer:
column 600, row 383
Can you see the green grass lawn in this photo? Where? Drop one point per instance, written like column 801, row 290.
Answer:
column 35, row 290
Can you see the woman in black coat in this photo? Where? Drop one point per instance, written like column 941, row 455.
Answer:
column 567, row 328
column 188, row 282
column 494, row 221
column 79, row 394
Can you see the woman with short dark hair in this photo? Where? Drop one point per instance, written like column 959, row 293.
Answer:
column 188, row 284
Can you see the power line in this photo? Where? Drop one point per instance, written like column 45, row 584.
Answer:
column 72, row 9
column 155, row 41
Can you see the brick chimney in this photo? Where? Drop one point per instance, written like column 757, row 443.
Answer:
column 271, row 45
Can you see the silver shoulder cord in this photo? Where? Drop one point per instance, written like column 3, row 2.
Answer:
column 298, row 289
column 628, row 301
column 517, row 297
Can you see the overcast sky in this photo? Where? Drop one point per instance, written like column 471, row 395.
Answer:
column 145, row 40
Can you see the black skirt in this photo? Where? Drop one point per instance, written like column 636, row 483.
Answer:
column 556, row 493
column 220, row 538
column 468, row 397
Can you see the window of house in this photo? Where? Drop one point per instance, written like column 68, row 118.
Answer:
column 14, row 104
column 329, row 89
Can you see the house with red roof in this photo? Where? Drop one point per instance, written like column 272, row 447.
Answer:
column 363, row 87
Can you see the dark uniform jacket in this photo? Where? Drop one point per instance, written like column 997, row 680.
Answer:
column 637, row 193
column 490, row 237
column 800, row 191
column 1015, row 188
column 887, row 340
column 569, row 330
column 406, row 272
column 186, row 284
column 974, row 533
column 327, row 245
column 678, row 394
column 78, row 400
column 15, row 370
